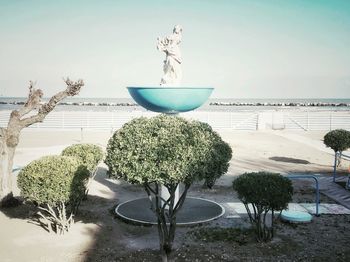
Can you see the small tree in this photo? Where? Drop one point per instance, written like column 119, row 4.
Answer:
column 264, row 192
column 338, row 140
column 163, row 150
column 19, row 119
column 57, row 185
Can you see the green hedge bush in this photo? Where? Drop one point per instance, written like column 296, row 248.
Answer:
column 338, row 140
column 90, row 155
column 166, row 150
column 265, row 192
column 52, row 180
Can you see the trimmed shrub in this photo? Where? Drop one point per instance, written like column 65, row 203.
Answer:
column 166, row 150
column 54, row 182
column 90, row 155
column 53, row 179
column 220, row 156
column 162, row 149
column 338, row 140
column 264, row 192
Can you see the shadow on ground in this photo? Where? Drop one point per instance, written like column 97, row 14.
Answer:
column 289, row 160
column 117, row 241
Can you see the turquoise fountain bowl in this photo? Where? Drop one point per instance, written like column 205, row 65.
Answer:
column 170, row 100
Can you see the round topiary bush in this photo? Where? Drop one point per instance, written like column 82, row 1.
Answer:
column 53, row 179
column 54, row 182
column 166, row 150
column 265, row 192
column 338, row 140
column 90, row 155
column 163, row 149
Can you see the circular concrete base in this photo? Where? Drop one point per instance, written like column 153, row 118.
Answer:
column 193, row 211
column 296, row 216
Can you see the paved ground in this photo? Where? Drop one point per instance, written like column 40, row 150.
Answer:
column 335, row 191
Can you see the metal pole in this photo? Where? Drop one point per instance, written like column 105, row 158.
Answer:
column 317, row 196
column 81, row 134
column 335, row 166
column 348, row 182
column 317, row 200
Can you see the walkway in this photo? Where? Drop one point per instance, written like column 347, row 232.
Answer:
column 335, row 191
column 237, row 209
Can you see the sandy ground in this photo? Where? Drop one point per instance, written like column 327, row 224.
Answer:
column 252, row 150
column 98, row 236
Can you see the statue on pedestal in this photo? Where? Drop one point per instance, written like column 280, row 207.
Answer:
column 172, row 63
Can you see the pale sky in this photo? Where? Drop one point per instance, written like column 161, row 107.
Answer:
column 243, row 48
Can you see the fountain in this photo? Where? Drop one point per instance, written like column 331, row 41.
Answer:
column 171, row 98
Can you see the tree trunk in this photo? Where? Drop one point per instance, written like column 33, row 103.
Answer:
column 166, row 211
column 9, row 137
column 7, row 153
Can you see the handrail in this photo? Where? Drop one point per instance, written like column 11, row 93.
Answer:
column 344, row 156
column 336, row 162
column 347, row 186
column 16, row 168
column 317, row 200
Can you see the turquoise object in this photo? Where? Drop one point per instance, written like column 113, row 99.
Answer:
column 296, row 216
column 170, row 100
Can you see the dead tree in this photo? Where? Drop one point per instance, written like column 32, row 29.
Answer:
column 19, row 119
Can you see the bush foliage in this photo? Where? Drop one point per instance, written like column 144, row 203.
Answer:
column 338, row 140
column 88, row 154
column 167, row 150
column 220, row 155
column 52, row 180
column 265, row 192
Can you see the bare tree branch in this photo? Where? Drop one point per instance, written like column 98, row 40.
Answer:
column 72, row 89
column 9, row 136
column 33, row 100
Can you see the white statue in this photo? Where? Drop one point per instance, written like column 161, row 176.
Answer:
column 172, row 63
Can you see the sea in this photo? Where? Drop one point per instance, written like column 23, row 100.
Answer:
column 213, row 104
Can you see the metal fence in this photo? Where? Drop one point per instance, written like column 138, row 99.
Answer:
column 90, row 120
column 289, row 120
column 313, row 121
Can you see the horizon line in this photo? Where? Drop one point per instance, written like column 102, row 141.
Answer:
column 2, row 96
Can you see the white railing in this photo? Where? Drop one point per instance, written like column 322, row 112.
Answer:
column 91, row 120
column 314, row 121
column 323, row 120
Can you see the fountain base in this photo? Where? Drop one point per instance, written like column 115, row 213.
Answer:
column 193, row 211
